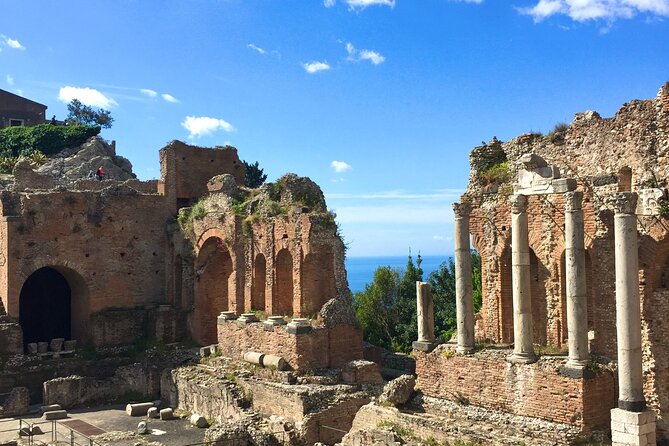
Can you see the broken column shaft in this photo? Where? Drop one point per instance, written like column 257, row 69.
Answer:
column 523, row 349
column 463, row 279
column 577, row 309
column 425, row 313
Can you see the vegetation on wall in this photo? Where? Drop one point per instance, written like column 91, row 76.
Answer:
column 498, row 173
column 386, row 309
column 45, row 138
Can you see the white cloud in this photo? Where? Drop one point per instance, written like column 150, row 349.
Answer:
column 315, row 66
column 87, row 96
column 257, row 48
column 372, row 56
column 362, row 4
column 10, row 80
column 340, row 166
column 584, row 10
column 149, row 93
column 169, row 98
column 12, row 43
column 202, row 126
column 355, row 55
column 329, row 3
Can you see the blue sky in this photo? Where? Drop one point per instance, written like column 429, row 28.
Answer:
column 378, row 101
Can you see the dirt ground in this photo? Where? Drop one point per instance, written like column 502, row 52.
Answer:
column 120, row 429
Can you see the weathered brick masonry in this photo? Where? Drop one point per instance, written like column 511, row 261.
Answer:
column 538, row 390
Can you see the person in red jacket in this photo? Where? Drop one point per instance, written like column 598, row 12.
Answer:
column 99, row 174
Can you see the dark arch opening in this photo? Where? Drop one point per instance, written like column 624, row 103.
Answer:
column 282, row 302
column 318, row 280
column 259, row 280
column 45, row 305
column 213, row 271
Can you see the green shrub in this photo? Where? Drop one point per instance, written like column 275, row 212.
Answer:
column 46, row 138
column 499, row 173
column 7, row 163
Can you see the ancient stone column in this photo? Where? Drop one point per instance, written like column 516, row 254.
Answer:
column 631, row 422
column 463, row 279
column 523, row 350
column 628, row 305
column 426, row 339
column 577, row 309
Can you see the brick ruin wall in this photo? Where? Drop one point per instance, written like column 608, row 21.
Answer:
column 110, row 246
column 319, row 348
column 536, row 390
column 627, row 152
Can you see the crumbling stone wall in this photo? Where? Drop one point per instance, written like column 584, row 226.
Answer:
column 321, row 347
column 82, row 391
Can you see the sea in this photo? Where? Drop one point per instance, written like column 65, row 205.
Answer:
column 360, row 270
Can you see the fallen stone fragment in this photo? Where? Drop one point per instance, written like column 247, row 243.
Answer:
column 54, row 415
column 167, row 414
column 198, row 421
column 138, row 409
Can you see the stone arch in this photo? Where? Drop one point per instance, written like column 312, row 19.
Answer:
column 259, row 281
column 213, row 268
column 318, row 280
column 282, row 292
column 54, row 303
column 506, row 296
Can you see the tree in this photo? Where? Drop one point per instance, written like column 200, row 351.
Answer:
column 80, row 114
column 254, row 175
column 386, row 309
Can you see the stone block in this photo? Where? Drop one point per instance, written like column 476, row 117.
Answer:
column 167, row 414
column 153, row 412
column 423, row 346
column 274, row 362
column 32, row 348
column 198, row 421
column 50, row 408
column 247, row 318
column 54, row 415
column 42, row 347
column 205, row 351
column 56, row 344
column 70, row 345
column 299, row 325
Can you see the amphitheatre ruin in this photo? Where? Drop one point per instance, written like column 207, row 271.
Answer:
column 193, row 296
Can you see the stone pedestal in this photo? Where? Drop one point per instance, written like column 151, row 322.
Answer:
column 523, row 348
column 247, row 318
column 273, row 321
column 632, row 428
column 425, row 306
column 628, row 305
column 577, row 308
column 298, row 325
column 463, row 279
column 226, row 316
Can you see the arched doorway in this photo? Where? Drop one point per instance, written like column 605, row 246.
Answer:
column 282, row 299
column 538, row 276
column 259, row 280
column 318, row 281
column 212, row 271
column 45, row 306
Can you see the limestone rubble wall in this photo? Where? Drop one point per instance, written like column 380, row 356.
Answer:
column 83, row 391
column 11, row 339
column 538, row 390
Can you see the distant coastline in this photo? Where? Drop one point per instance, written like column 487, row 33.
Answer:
column 360, row 270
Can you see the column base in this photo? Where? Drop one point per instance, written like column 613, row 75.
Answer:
column 577, row 363
column 632, row 428
column 424, row 346
column 522, row 358
column 464, row 350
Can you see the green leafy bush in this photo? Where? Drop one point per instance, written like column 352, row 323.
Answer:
column 499, row 173
column 46, row 138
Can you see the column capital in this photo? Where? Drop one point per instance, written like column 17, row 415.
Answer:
column 623, row 202
column 573, row 201
column 518, row 203
column 462, row 209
